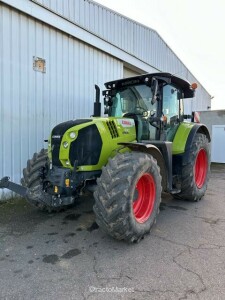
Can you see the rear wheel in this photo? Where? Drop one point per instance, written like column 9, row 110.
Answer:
column 195, row 174
column 128, row 196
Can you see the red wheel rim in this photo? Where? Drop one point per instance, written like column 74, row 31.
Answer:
column 201, row 167
column 143, row 205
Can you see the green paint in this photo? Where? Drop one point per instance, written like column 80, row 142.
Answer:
column 110, row 147
column 181, row 137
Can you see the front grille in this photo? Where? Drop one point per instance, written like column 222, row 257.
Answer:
column 112, row 128
column 86, row 149
column 55, row 151
column 57, row 135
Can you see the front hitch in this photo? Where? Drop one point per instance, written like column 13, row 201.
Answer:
column 35, row 195
column 5, row 183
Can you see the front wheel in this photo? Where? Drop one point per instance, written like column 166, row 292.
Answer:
column 128, row 196
column 32, row 175
column 195, row 174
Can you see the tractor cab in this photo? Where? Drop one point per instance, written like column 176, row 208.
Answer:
column 154, row 101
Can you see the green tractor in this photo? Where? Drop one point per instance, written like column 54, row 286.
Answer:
column 142, row 147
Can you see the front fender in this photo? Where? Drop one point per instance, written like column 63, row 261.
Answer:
column 162, row 152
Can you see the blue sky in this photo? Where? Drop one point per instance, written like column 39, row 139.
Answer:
column 195, row 31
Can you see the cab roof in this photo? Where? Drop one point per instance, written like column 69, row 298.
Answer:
column 183, row 84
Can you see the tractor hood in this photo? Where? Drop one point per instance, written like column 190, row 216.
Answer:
column 87, row 143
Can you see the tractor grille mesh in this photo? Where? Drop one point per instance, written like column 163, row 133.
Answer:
column 57, row 135
column 112, row 128
column 86, row 149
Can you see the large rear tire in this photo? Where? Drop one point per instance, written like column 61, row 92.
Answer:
column 128, row 196
column 32, row 175
column 195, row 174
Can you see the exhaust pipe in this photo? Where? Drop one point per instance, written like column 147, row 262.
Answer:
column 97, row 104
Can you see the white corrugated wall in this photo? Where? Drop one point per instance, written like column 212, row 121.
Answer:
column 33, row 102
column 130, row 36
column 133, row 37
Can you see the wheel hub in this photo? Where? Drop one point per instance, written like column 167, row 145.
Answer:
column 144, row 198
column 201, row 167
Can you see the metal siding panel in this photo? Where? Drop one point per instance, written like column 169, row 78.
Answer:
column 155, row 50
column 38, row 87
column 51, row 4
column 105, row 25
column 52, row 69
column 66, row 10
column 131, row 35
column 137, row 40
column 7, row 103
column 59, row 6
column 141, row 39
column 91, row 17
column 71, row 11
column 124, row 28
column 76, row 9
column 100, row 31
column 46, row 82
column 15, row 91
column 71, row 91
column 96, row 16
column 87, row 16
column 30, row 93
column 116, row 29
column 2, row 153
column 113, row 27
column 82, row 14
column 145, row 46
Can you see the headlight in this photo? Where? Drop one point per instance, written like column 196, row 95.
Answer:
column 65, row 144
column 72, row 135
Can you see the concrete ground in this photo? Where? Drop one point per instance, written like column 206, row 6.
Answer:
column 66, row 256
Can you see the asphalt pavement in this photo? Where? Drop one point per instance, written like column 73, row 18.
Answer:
column 66, row 256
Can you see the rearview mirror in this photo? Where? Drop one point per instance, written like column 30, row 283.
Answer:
column 154, row 89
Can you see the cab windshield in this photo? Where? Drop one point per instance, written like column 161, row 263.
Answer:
column 134, row 99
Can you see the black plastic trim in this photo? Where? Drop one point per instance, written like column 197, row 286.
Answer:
column 57, row 135
column 86, row 149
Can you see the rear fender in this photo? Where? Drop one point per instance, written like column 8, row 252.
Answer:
column 185, row 134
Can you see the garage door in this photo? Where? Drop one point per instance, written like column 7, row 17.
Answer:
column 218, row 143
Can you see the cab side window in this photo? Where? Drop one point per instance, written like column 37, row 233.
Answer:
column 170, row 103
